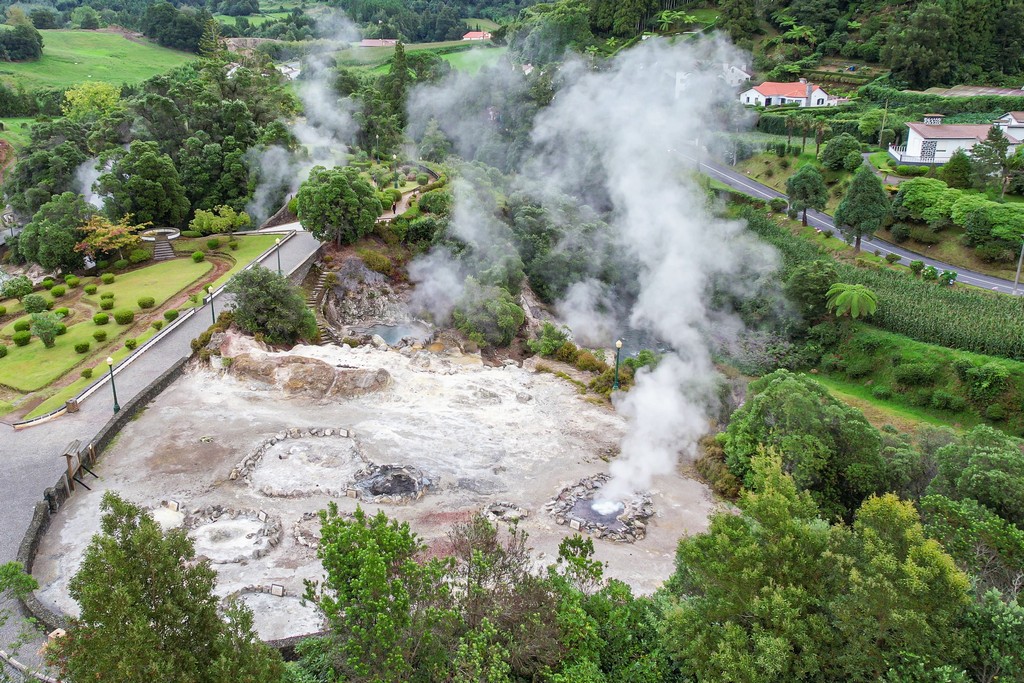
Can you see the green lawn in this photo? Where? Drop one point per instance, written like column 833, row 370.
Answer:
column 481, row 24
column 905, row 418
column 70, row 57
column 249, row 247
column 254, row 19
column 16, row 131
column 160, row 281
column 704, row 16
column 32, row 367
column 475, row 59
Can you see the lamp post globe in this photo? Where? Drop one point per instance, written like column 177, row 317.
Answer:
column 394, row 158
column 618, row 348
column 113, row 388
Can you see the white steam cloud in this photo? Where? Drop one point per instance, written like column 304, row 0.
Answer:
column 85, row 179
column 622, row 141
column 324, row 132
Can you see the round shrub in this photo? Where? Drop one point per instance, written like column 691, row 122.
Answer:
column 71, row 281
column 63, row 311
column 102, row 264
column 34, row 303
column 107, row 304
column 107, row 295
column 197, row 256
column 191, row 233
column 121, row 264
column 82, row 347
column 3, row 350
column 170, row 314
column 139, row 256
column 100, row 335
column 22, row 338
column 87, row 373
column 233, row 245
column 3, row 311
column 101, row 318
column 893, row 258
column 90, row 289
column 213, row 243
column 130, row 344
column 48, row 283
column 778, row 204
column 58, row 291
column 107, row 278
column 61, row 329
column 146, row 302
column 124, row 316
column 22, row 325
column 158, row 325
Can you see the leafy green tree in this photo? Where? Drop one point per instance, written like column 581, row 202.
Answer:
column 739, row 18
column 144, row 183
column 751, row 593
column 829, row 448
column 386, row 609
column 994, row 635
column 101, row 236
column 808, row 286
column 337, row 205
column 959, row 171
column 988, row 466
column 836, row 151
column 864, row 207
column 901, row 594
column 481, row 658
column 17, row 287
column 852, row 300
column 149, row 613
column 49, row 239
column 267, row 303
column 488, row 314
column 434, row 146
column 44, row 326
column 211, row 45
column 221, row 219
column 34, row 303
column 807, row 190
column 91, row 100
column 993, row 157
column 923, row 54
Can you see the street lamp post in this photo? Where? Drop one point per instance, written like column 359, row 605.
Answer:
column 213, row 313
column 278, row 243
column 618, row 348
column 1016, row 279
column 376, row 149
column 394, row 157
column 110, row 366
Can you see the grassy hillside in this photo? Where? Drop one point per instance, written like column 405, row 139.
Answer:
column 481, row 24
column 16, row 131
column 70, row 57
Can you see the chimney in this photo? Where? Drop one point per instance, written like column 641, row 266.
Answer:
column 933, row 119
column 810, row 89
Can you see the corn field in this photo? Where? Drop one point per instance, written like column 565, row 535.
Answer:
column 965, row 319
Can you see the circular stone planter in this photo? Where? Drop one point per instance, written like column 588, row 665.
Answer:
column 626, row 522
column 152, row 234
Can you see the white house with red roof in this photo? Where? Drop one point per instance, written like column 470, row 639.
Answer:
column 477, row 35
column 933, row 142
column 770, row 94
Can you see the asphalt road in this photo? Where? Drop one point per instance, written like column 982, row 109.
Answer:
column 823, row 221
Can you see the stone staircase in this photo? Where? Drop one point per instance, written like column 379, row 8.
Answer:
column 162, row 250
column 315, row 302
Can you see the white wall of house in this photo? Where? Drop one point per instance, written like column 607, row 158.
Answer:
column 755, row 99
column 944, row 147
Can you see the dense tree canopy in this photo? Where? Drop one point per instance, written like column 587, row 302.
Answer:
column 50, row 237
column 267, row 304
column 337, row 205
column 145, row 184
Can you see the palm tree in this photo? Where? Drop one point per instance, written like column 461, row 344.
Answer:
column 790, row 125
column 853, row 300
column 821, row 129
column 806, row 124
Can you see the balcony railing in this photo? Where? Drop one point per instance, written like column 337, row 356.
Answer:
column 900, row 155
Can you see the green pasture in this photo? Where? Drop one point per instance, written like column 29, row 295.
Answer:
column 475, row 24
column 16, row 131
column 71, row 57
column 475, row 59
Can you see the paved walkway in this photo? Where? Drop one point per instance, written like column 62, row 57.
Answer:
column 31, row 457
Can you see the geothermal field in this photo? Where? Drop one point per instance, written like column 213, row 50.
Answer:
column 243, row 457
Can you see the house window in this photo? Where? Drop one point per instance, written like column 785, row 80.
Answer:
column 821, row 101
column 748, row 99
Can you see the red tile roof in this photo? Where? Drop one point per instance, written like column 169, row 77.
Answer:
column 476, row 35
column 955, row 131
column 795, row 89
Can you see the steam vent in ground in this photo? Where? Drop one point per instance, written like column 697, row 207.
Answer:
column 243, row 457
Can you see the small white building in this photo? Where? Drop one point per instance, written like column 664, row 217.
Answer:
column 801, row 93
column 477, row 35
column 933, row 142
column 734, row 75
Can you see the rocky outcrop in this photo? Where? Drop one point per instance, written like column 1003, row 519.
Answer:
column 302, row 376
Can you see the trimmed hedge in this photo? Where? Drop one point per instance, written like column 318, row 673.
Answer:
column 71, row 281
column 170, row 314
column 22, row 325
column 100, row 335
column 198, row 256
column 107, row 278
column 62, row 311
column 130, row 344
column 146, row 302
column 107, row 295
column 90, row 289
column 101, row 318
column 107, row 304
column 57, row 291
column 3, row 350
column 82, row 347
column 22, row 338
column 124, row 316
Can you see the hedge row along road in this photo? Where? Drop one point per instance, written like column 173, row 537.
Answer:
column 822, row 221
